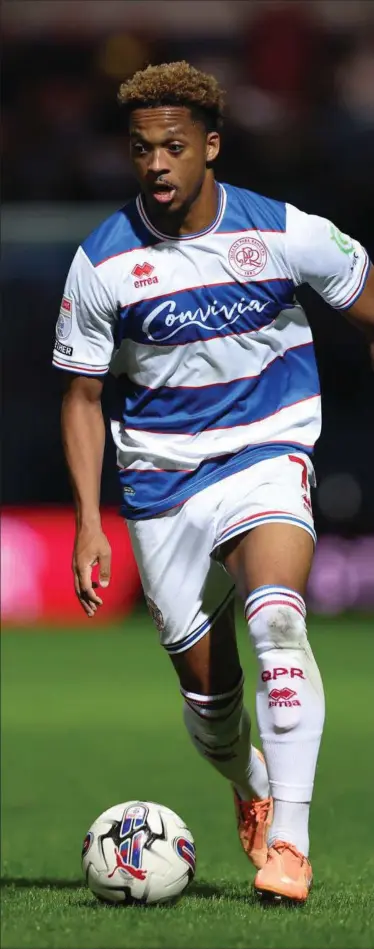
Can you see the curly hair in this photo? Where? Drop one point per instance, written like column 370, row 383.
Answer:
column 175, row 84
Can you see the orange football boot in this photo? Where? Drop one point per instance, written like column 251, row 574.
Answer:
column 286, row 875
column 254, row 819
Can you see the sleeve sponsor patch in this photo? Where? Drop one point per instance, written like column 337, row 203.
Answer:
column 61, row 348
column 64, row 322
column 342, row 241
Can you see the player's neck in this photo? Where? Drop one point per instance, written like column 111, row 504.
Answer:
column 197, row 217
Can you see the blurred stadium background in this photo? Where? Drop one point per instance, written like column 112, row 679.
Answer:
column 90, row 716
column 300, row 126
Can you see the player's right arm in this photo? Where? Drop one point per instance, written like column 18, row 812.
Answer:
column 83, row 349
column 83, row 437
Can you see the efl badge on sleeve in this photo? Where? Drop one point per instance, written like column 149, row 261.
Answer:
column 64, row 322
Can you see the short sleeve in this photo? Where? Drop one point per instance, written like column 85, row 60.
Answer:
column 85, row 326
column 334, row 264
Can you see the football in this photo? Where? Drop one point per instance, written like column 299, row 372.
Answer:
column 138, row 852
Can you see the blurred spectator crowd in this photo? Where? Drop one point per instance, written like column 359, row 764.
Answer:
column 299, row 78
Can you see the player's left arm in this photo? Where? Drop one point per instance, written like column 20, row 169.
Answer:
column 362, row 312
column 335, row 265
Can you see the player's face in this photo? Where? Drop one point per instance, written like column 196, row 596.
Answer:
column 170, row 151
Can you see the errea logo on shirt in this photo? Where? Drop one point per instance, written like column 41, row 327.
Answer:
column 143, row 271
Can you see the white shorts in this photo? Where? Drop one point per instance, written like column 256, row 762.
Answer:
column 185, row 586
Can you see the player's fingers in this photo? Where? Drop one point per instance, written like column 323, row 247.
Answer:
column 87, row 592
column 86, row 585
column 91, row 597
column 89, row 608
column 87, row 604
column 77, row 587
column 105, row 562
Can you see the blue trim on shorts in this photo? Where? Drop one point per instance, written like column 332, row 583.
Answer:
column 266, row 519
column 198, row 633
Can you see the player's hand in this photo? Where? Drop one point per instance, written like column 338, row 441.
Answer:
column 91, row 547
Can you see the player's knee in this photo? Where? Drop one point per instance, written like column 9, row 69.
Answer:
column 276, row 621
column 285, row 627
column 280, row 641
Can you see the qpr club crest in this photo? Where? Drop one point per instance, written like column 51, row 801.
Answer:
column 248, row 256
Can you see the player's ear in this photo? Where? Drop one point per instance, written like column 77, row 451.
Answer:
column 213, row 143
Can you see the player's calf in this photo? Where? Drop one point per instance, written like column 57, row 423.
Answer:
column 219, row 727
column 290, row 707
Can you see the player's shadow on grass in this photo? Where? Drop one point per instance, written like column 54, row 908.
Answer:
column 210, row 891
column 42, row 883
column 247, row 895
column 204, row 890
column 201, row 889
column 197, row 888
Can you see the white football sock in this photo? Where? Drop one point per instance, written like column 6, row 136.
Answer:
column 290, row 814
column 219, row 727
column 290, row 707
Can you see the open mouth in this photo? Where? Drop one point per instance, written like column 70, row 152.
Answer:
column 163, row 193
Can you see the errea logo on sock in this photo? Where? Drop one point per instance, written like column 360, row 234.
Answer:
column 281, row 671
column 283, row 697
column 282, row 694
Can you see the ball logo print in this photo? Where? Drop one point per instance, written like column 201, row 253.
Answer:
column 122, row 858
column 186, row 850
column 248, row 256
column 129, row 854
column 87, row 843
column 133, row 818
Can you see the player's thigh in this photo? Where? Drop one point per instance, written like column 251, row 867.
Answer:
column 212, row 665
column 186, row 590
column 274, row 554
column 266, row 535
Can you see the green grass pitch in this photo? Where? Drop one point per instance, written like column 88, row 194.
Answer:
column 92, row 719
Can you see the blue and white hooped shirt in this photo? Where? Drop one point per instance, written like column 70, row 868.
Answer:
column 213, row 356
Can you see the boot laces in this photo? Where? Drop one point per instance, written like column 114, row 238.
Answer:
column 259, row 810
column 255, row 811
column 280, row 846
